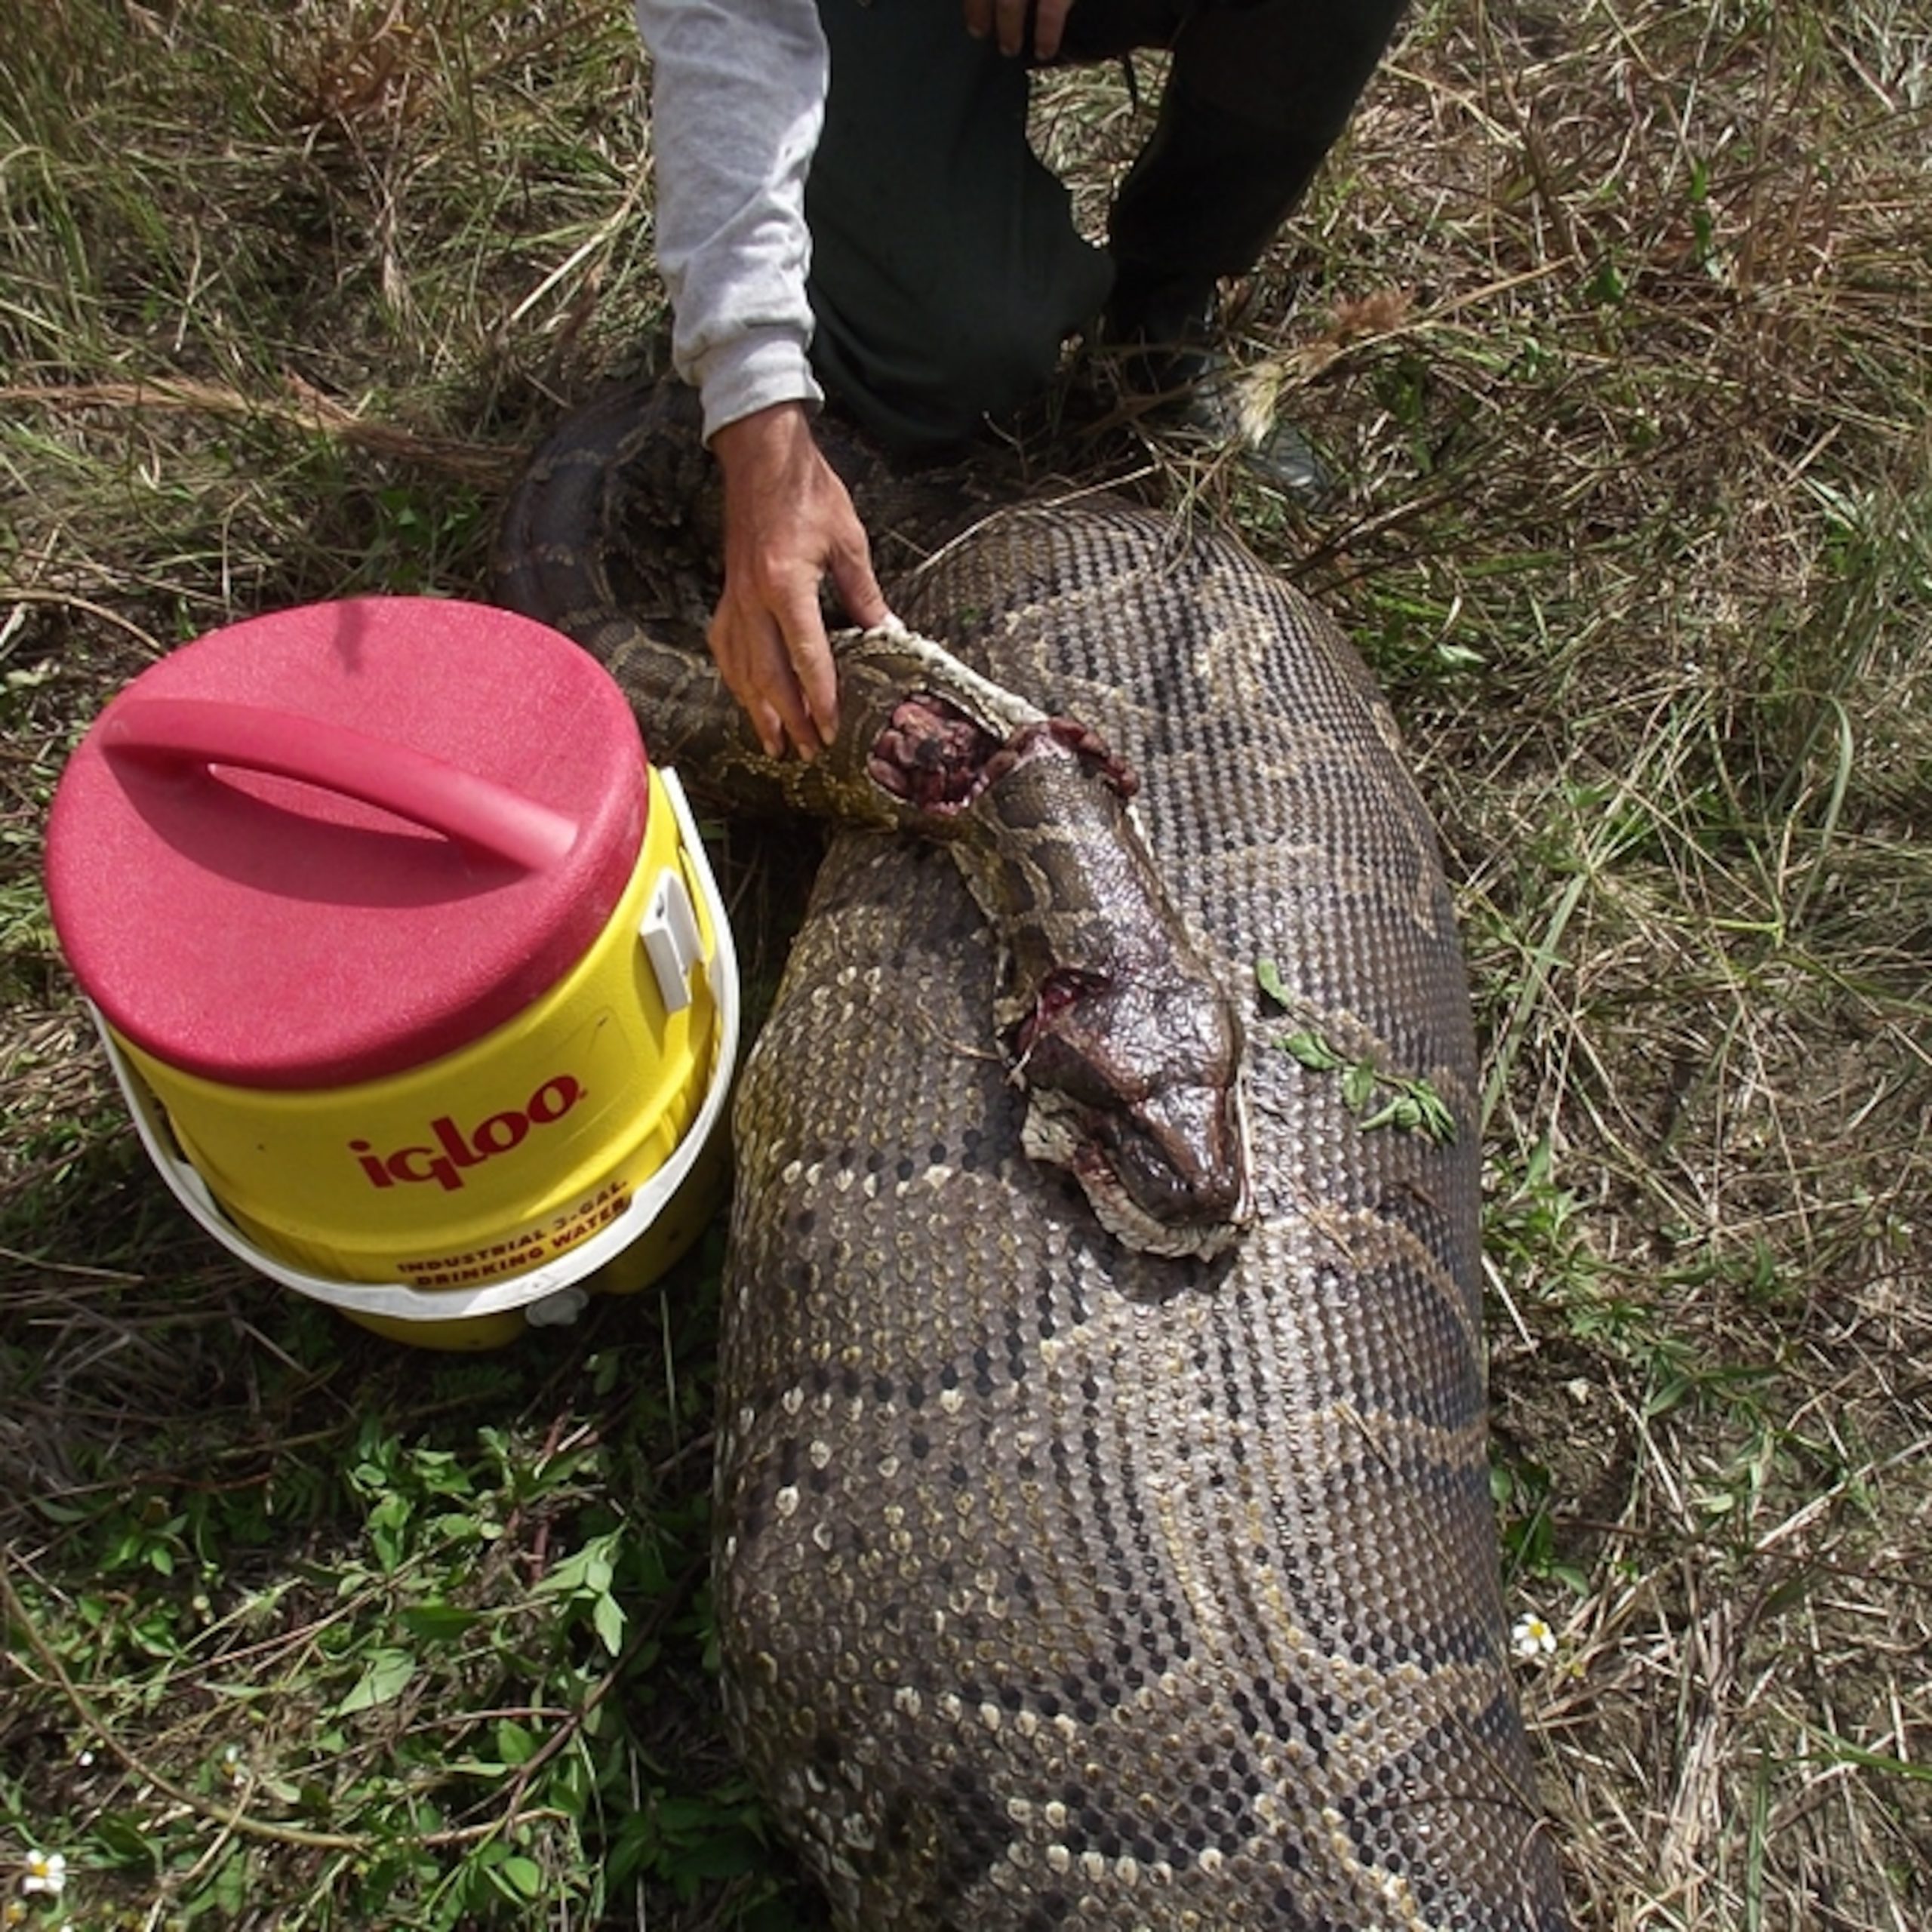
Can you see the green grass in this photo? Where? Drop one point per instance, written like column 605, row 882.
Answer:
column 1615, row 324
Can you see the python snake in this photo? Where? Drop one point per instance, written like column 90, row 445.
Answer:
column 1058, row 1582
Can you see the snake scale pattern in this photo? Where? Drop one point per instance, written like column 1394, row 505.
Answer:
column 1059, row 1584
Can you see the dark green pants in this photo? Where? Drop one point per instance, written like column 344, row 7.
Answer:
column 946, row 270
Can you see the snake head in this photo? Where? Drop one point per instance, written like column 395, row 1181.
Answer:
column 1133, row 1085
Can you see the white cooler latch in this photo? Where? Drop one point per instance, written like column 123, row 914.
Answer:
column 671, row 935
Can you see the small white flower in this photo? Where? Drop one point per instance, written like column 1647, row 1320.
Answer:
column 47, row 1871
column 1533, row 1639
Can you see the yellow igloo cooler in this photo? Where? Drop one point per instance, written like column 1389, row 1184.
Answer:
column 411, row 967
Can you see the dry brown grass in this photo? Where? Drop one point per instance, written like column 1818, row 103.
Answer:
column 1615, row 320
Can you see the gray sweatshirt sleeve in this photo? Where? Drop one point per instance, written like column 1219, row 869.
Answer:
column 738, row 91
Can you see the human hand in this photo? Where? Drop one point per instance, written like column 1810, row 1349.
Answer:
column 1008, row 18
column 788, row 523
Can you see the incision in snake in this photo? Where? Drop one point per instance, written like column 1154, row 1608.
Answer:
column 1124, row 1042
column 1060, row 1581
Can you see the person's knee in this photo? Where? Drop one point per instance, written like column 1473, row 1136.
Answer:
column 925, row 371
column 992, row 349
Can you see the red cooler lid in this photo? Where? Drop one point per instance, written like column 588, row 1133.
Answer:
column 330, row 844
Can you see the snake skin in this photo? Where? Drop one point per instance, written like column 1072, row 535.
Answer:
column 1058, row 1584
column 1120, row 1037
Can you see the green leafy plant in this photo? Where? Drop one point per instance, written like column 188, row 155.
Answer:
column 1406, row 1102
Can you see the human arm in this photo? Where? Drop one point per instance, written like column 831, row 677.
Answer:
column 789, row 523
column 738, row 97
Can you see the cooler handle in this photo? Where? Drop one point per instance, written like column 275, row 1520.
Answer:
column 429, row 792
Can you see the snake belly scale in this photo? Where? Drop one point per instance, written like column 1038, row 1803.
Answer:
column 1062, row 1584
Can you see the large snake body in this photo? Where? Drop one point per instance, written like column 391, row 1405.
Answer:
column 1061, row 1583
